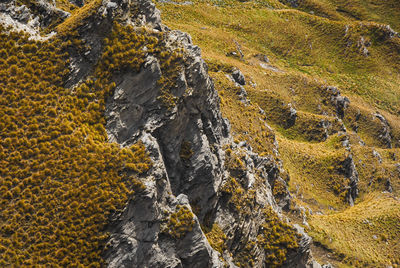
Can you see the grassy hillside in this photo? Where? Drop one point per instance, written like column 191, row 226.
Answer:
column 374, row 223
column 60, row 179
column 309, row 46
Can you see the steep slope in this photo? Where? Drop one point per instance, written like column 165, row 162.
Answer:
column 115, row 153
column 324, row 75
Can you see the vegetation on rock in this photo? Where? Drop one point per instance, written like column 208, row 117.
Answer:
column 180, row 222
column 60, row 178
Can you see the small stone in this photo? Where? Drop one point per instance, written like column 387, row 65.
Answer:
column 238, row 77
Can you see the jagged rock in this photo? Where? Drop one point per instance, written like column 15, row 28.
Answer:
column 240, row 90
column 22, row 14
column 135, row 109
column 385, row 132
column 292, row 115
column 19, row 13
column 138, row 237
column 388, row 32
column 20, row 18
column 48, row 12
column 238, row 77
column 350, row 171
column 341, row 103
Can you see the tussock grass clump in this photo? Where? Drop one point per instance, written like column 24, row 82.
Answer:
column 216, row 237
column 238, row 199
column 180, row 222
column 60, row 179
column 277, row 238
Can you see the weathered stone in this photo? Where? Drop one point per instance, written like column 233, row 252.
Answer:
column 238, row 77
column 350, row 171
column 340, row 102
column 385, row 131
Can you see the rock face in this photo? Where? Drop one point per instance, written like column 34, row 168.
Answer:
column 21, row 18
column 138, row 236
column 194, row 124
column 188, row 145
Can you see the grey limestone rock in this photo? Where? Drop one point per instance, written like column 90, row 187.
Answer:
column 238, row 77
column 350, row 171
column 138, row 236
column 385, row 131
column 341, row 103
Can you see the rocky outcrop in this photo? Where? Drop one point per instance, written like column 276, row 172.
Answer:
column 384, row 132
column 238, row 77
column 199, row 178
column 194, row 124
column 21, row 18
column 38, row 13
column 350, row 171
column 341, row 103
column 192, row 140
column 197, row 169
column 140, row 236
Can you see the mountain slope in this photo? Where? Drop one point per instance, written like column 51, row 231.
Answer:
column 296, row 56
column 115, row 153
column 115, row 150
